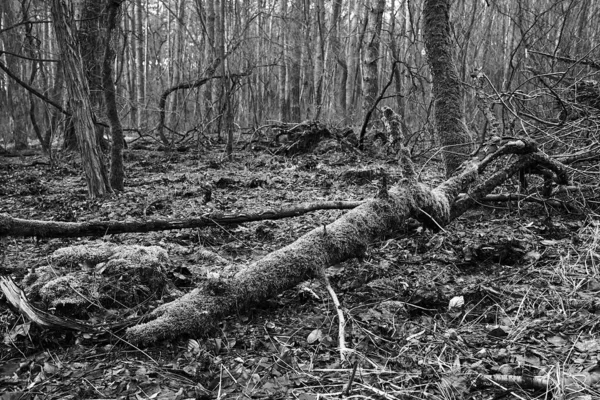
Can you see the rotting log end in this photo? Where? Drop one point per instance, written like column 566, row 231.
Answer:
column 190, row 314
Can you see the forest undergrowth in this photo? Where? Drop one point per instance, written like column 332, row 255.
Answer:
column 502, row 303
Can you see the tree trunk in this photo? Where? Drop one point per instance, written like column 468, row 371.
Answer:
column 141, row 77
column 209, row 45
column 371, row 57
column 90, row 36
column 319, row 56
column 294, row 71
column 15, row 105
column 336, row 56
column 449, row 119
column 117, row 172
column 353, row 60
column 396, row 39
column 225, row 106
column 283, row 93
column 77, row 86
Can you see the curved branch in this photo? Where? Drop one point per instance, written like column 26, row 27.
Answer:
column 363, row 129
column 31, row 90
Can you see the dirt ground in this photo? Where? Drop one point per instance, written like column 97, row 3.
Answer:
column 501, row 304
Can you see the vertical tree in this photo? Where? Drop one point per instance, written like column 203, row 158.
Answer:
column 295, row 56
column 283, row 72
column 320, row 55
column 449, row 119
column 336, row 56
column 372, row 53
column 209, row 54
column 116, row 155
column 141, row 63
column 90, row 35
column 97, row 181
column 356, row 31
column 176, row 61
column 226, row 112
column 396, row 40
column 14, row 99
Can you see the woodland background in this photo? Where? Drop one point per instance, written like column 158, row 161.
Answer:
column 288, row 61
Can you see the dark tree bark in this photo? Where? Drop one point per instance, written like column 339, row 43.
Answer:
column 371, row 58
column 90, row 35
column 449, row 119
column 77, row 86
column 139, row 56
column 15, row 104
column 117, row 169
column 295, row 58
column 336, row 53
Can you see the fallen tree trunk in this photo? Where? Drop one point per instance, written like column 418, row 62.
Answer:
column 10, row 226
column 198, row 312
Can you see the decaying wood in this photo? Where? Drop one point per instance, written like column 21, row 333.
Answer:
column 198, row 312
column 19, row 302
column 55, row 229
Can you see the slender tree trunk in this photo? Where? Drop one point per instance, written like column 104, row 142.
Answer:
column 90, row 37
column 116, row 156
column 16, row 99
column 176, row 53
column 209, row 54
column 353, row 53
column 77, row 86
column 294, row 74
column 335, row 53
column 396, row 40
column 283, row 88
column 36, row 66
column 141, row 77
column 319, row 56
column 131, row 63
column 449, row 119
column 372, row 55
column 226, row 112
column 306, row 73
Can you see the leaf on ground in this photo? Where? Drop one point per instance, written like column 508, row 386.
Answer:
column 314, row 336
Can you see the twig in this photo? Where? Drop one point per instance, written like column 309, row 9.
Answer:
column 361, row 136
column 348, row 386
column 341, row 321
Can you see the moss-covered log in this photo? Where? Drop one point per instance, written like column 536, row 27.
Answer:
column 349, row 236
column 199, row 311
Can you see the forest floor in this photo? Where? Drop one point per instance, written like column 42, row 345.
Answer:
column 506, row 290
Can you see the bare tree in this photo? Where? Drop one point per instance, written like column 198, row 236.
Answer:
column 449, row 118
column 81, row 107
column 283, row 72
column 14, row 101
column 140, row 62
column 295, row 60
column 116, row 156
column 372, row 54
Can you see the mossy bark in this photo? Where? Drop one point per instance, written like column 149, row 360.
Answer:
column 449, row 119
